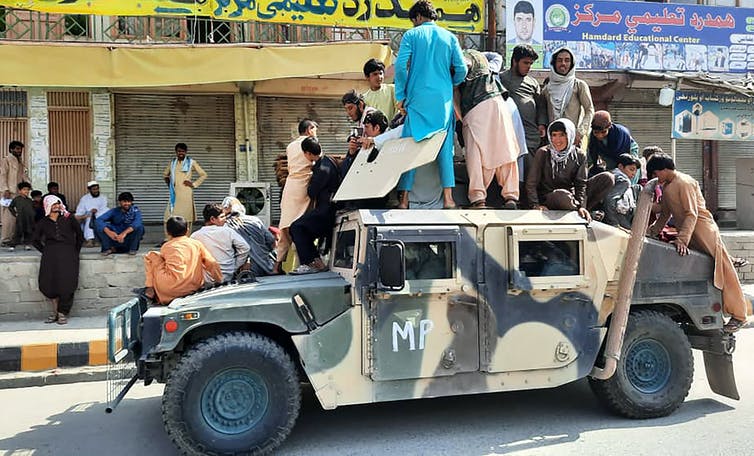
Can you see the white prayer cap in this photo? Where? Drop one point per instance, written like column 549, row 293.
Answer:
column 91, row 184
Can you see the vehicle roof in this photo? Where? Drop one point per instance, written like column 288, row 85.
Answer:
column 476, row 217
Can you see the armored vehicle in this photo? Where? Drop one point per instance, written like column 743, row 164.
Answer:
column 422, row 304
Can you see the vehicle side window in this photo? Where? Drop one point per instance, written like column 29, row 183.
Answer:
column 549, row 258
column 429, row 260
column 345, row 245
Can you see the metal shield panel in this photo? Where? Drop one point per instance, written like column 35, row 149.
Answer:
column 375, row 179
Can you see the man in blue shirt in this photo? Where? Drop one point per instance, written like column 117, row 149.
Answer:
column 120, row 229
column 429, row 64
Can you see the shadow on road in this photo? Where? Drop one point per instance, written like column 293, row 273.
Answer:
column 494, row 423
column 84, row 429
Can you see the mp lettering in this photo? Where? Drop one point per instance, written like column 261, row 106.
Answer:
column 406, row 332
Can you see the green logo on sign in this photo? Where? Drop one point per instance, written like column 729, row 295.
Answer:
column 557, row 17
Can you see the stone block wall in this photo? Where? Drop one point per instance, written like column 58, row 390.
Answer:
column 741, row 244
column 103, row 284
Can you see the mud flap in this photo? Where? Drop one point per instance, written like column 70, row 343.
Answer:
column 722, row 380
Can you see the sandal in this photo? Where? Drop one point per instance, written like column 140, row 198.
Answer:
column 733, row 325
column 52, row 318
column 478, row 205
column 62, row 319
column 739, row 262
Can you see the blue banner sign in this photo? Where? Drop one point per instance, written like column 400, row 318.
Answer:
column 636, row 35
column 718, row 116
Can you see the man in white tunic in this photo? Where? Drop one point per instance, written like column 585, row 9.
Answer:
column 91, row 204
column 178, row 175
column 294, row 200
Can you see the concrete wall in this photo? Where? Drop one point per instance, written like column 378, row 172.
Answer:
column 39, row 142
column 103, row 284
column 103, row 145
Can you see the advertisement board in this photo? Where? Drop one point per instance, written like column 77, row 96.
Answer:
column 714, row 116
column 457, row 15
column 635, row 35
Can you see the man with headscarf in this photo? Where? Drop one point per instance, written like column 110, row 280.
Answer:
column 682, row 198
column 91, row 204
column 120, row 229
column 12, row 173
column 488, row 132
column 229, row 248
column 257, row 235
column 294, row 201
column 58, row 236
column 424, row 90
column 178, row 175
column 608, row 141
column 179, row 268
column 566, row 96
column 558, row 179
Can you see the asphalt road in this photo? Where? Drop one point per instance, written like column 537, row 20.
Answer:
column 70, row 420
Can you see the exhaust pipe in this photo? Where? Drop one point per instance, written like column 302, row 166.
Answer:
column 626, row 283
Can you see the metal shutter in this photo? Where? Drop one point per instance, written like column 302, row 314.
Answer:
column 147, row 127
column 651, row 124
column 278, row 120
column 728, row 152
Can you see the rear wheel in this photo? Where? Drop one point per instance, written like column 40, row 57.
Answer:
column 231, row 394
column 655, row 371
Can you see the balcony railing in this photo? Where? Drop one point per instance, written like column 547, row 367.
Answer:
column 17, row 24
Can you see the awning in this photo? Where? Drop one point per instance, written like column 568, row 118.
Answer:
column 74, row 65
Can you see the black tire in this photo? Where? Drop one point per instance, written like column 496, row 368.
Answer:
column 655, row 371
column 232, row 394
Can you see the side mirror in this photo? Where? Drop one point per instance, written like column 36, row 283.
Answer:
column 392, row 267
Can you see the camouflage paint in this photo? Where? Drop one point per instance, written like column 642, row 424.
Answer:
column 267, row 301
column 525, row 339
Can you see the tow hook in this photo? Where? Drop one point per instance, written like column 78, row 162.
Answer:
column 729, row 343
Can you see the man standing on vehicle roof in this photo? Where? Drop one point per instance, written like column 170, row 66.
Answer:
column 568, row 96
column 682, row 199
column 429, row 64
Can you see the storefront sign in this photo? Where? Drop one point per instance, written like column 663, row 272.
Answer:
column 723, row 116
column 458, row 15
column 636, row 35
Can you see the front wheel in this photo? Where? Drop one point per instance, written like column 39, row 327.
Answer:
column 655, row 371
column 231, row 394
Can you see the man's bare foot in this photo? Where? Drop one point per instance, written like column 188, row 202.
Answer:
column 403, row 199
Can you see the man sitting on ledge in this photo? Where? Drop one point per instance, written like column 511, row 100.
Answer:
column 178, row 269
column 120, row 229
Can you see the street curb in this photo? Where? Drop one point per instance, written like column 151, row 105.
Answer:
column 53, row 377
column 43, row 357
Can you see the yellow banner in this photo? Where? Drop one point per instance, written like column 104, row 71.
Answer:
column 458, row 15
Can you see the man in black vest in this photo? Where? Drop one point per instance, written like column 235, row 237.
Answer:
column 318, row 222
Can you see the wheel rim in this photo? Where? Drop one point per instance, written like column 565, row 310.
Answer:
column 648, row 366
column 234, row 401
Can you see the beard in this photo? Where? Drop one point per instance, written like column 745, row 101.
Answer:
column 94, row 194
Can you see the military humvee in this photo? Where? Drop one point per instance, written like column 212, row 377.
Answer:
column 421, row 304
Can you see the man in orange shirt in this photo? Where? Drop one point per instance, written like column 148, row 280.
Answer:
column 178, row 269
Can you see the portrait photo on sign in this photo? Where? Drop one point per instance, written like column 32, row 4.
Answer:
column 523, row 22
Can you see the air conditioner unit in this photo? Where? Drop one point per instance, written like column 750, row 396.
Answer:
column 255, row 196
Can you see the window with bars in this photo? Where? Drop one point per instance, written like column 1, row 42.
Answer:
column 13, row 103
column 143, row 27
column 77, row 25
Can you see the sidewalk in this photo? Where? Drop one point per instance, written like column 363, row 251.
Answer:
column 35, row 346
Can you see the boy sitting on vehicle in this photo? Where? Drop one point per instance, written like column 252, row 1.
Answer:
column 178, row 269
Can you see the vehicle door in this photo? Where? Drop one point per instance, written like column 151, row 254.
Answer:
column 538, row 285
column 428, row 325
